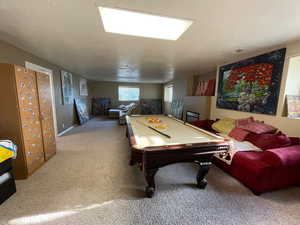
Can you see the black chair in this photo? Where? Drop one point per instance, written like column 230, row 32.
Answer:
column 191, row 116
column 100, row 106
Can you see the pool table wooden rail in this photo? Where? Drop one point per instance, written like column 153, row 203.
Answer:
column 132, row 140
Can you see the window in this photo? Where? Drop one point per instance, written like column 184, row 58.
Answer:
column 292, row 89
column 168, row 95
column 129, row 93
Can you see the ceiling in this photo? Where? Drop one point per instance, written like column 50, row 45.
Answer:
column 69, row 33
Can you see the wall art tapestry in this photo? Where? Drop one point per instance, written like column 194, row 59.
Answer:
column 293, row 106
column 67, row 87
column 205, row 88
column 252, row 85
column 83, row 89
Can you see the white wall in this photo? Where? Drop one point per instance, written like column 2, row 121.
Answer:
column 200, row 104
column 180, row 87
column 287, row 125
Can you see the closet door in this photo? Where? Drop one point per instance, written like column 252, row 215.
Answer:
column 45, row 100
column 30, row 118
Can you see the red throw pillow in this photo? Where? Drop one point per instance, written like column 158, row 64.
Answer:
column 268, row 141
column 238, row 134
column 242, row 122
column 258, row 127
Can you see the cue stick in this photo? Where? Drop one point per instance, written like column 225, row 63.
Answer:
column 159, row 132
column 154, row 129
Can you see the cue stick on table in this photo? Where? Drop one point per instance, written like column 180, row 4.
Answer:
column 154, row 129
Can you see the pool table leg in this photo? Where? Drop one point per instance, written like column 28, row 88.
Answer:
column 150, row 178
column 203, row 170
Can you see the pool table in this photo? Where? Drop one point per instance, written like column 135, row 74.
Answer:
column 161, row 140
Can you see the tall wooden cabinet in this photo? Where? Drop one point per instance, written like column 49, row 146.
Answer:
column 26, row 117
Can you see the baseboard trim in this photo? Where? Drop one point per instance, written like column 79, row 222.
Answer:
column 65, row 131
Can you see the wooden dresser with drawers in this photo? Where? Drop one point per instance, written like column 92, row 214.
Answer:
column 26, row 117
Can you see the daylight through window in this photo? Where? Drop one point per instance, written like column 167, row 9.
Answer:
column 129, row 93
column 168, row 95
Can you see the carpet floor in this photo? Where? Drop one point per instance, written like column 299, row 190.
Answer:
column 89, row 182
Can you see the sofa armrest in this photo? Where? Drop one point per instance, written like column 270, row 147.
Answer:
column 250, row 160
column 285, row 156
column 251, row 170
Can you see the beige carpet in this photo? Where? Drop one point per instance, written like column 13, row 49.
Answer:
column 89, row 182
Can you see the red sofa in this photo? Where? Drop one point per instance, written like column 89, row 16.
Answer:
column 263, row 171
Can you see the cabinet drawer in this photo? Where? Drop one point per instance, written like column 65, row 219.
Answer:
column 34, row 160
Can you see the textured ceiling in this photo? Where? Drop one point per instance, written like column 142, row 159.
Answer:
column 69, row 33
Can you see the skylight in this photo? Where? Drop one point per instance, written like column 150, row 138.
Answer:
column 142, row 24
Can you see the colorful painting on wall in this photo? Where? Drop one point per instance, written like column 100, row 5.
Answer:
column 252, row 85
column 293, row 106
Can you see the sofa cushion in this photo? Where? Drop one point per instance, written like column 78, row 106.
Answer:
column 287, row 156
column 238, row 134
column 268, row 141
column 224, row 125
column 241, row 122
column 258, row 127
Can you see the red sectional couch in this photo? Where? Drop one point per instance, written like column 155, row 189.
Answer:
column 263, row 171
